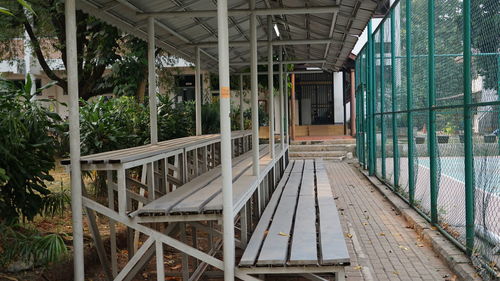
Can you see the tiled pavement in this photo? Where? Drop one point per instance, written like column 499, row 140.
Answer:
column 381, row 245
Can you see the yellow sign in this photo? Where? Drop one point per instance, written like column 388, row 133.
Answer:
column 225, row 93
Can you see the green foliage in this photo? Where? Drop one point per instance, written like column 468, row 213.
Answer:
column 210, row 118
column 29, row 246
column 27, row 150
column 130, row 69
column 485, row 38
column 175, row 120
column 111, row 124
column 3, row 177
column 449, row 129
column 23, row 3
column 55, row 203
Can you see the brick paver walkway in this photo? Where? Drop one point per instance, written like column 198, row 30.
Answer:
column 381, row 245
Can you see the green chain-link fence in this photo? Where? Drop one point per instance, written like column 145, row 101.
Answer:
column 428, row 117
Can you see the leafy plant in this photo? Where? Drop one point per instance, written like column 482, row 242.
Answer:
column 55, row 203
column 29, row 246
column 26, row 150
column 3, row 177
column 111, row 124
column 175, row 120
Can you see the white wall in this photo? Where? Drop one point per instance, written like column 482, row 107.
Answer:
column 338, row 97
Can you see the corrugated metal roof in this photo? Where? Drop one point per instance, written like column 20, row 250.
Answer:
column 178, row 34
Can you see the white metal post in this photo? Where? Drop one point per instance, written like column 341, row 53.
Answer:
column 287, row 110
column 282, row 101
column 160, row 266
column 225, row 129
column 197, row 84
column 270, row 84
column 242, row 121
column 152, row 81
column 74, row 138
column 255, row 89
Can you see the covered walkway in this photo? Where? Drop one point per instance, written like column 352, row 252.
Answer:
column 381, row 244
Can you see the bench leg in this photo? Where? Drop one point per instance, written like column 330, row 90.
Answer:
column 244, row 225
column 340, row 275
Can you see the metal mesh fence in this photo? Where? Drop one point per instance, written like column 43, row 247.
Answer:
column 427, row 86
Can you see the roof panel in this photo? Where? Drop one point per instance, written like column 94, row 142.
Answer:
column 178, row 34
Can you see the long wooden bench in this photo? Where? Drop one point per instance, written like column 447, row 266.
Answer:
column 299, row 232
column 144, row 151
column 204, row 194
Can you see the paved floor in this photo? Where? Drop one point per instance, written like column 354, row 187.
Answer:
column 381, row 245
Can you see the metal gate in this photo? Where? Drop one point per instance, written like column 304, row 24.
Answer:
column 316, row 89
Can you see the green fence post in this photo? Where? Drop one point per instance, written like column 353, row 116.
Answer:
column 364, row 92
column 409, row 105
column 364, row 110
column 431, row 133
column 395, row 147
column 371, row 102
column 382, row 102
column 469, row 156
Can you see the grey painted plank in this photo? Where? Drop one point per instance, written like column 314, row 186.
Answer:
column 298, row 167
column 139, row 152
column 240, row 187
column 304, row 249
column 253, row 246
column 307, row 187
column 275, row 247
column 165, row 203
column 333, row 246
column 197, row 201
column 309, row 165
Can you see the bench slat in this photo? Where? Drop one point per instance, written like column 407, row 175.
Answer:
column 275, row 247
column 197, row 201
column 304, row 249
column 253, row 246
column 332, row 242
column 309, row 165
column 165, row 203
column 241, row 186
column 298, row 167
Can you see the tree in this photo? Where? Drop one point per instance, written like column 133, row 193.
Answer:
column 99, row 46
column 486, row 39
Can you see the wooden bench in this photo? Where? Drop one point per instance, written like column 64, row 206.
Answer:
column 145, row 151
column 203, row 195
column 299, row 231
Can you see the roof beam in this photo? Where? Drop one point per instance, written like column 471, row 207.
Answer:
column 286, row 73
column 246, row 12
column 284, row 62
column 265, row 42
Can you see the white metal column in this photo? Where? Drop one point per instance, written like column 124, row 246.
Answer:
column 287, row 114
column 255, row 90
column 74, row 138
column 242, row 121
column 225, row 129
column 270, row 84
column 152, row 81
column 282, row 101
column 197, row 84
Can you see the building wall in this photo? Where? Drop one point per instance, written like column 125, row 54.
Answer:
column 338, row 97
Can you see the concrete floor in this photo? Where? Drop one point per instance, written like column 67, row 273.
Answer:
column 381, row 244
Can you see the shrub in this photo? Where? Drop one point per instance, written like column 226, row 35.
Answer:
column 175, row 120
column 29, row 246
column 27, row 150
